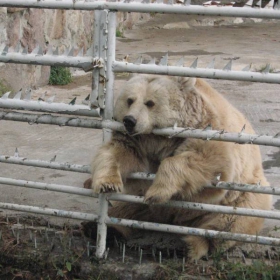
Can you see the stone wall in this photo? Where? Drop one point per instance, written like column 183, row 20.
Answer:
column 59, row 28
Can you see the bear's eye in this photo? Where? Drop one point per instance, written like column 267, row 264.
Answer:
column 129, row 101
column 150, row 103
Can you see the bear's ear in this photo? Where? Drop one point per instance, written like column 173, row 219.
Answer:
column 185, row 82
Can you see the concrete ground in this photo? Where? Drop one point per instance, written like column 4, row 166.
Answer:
column 206, row 38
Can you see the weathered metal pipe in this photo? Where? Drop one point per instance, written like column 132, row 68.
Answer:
column 140, row 199
column 144, row 8
column 194, row 231
column 49, row 211
column 216, row 135
column 41, row 106
column 119, row 66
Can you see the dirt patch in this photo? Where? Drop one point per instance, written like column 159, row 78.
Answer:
column 269, row 120
column 127, row 40
column 32, row 248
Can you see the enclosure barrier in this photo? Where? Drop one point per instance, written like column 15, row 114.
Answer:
column 100, row 59
column 204, row 134
column 136, row 199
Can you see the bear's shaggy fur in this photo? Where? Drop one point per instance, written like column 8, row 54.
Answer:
column 182, row 166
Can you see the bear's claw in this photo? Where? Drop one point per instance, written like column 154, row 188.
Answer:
column 109, row 184
column 108, row 188
column 154, row 199
column 156, row 194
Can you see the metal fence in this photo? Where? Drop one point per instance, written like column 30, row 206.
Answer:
column 100, row 59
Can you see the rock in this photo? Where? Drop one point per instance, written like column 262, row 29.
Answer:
column 59, row 28
column 176, row 25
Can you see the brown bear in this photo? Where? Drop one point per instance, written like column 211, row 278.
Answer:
column 182, row 166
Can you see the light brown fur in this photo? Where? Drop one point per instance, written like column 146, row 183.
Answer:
column 182, row 166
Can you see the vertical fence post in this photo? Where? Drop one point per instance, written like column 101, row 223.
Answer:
column 95, row 53
column 101, row 226
column 107, row 52
column 103, row 42
column 110, row 58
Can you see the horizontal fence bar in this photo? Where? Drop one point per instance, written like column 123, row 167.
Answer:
column 220, row 185
column 144, row 225
column 274, row 78
column 47, row 187
column 194, row 231
column 139, row 199
column 202, row 207
column 217, row 135
column 54, row 120
column 118, row 66
column 247, row 188
column 241, row 138
column 49, row 211
column 85, row 63
column 144, row 8
column 65, row 166
column 42, row 106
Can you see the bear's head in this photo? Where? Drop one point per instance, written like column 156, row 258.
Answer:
column 151, row 101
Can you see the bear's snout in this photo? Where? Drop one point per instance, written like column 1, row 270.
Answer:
column 129, row 123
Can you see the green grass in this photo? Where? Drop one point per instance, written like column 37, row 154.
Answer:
column 119, row 33
column 224, row 270
column 60, row 76
column 258, row 270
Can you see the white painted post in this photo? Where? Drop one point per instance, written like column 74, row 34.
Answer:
column 102, row 226
column 106, row 93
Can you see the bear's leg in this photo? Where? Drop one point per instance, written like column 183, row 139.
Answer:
column 113, row 162
column 186, row 173
column 121, row 210
column 131, row 211
column 199, row 246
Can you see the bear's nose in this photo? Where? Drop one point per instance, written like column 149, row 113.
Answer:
column 129, row 123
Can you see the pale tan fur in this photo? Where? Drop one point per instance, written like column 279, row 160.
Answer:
column 182, row 166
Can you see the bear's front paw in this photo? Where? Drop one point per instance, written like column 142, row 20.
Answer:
column 157, row 195
column 107, row 185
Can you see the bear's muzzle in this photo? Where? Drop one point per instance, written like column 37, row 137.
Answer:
column 129, row 123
